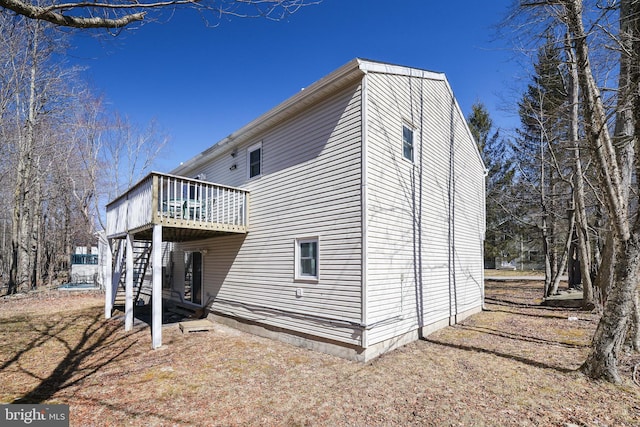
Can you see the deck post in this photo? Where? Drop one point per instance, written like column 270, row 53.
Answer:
column 117, row 271
column 156, row 292
column 107, row 281
column 128, row 286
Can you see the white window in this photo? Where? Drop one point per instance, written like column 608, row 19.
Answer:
column 407, row 142
column 254, row 160
column 307, row 259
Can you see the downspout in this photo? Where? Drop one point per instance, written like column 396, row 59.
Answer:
column 453, row 289
column 484, row 232
column 363, row 204
column 418, row 219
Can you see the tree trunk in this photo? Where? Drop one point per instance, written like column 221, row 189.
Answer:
column 582, row 226
column 614, row 323
column 604, row 277
column 565, row 256
column 633, row 337
column 19, row 273
column 630, row 15
column 30, row 222
column 36, row 237
column 67, row 240
column 545, row 225
column 547, row 258
column 597, row 132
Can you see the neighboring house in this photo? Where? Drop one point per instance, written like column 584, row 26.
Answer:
column 84, row 265
column 349, row 219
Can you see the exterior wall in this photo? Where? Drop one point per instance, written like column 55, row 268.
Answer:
column 310, row 186
column 468, row 221
column 82, row 272
column 424, row 220
column 421, row 267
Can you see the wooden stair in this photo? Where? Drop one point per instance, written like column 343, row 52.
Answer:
column 141, row 261
column 185, row 310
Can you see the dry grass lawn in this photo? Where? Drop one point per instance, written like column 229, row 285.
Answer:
column 513, row 364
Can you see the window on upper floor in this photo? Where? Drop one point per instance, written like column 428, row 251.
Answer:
column 254, row 160
column 407, row 142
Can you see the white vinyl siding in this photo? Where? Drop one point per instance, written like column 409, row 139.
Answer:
column 469, row 224
column 424, row 210
column 410, row 266
column 310, row 186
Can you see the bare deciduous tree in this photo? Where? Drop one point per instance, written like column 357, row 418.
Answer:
column 116, row 14
column 582, row 225
column 110, row 154
column 615, row 321
column 55, row 163
column 613, row 154
column 56, row 141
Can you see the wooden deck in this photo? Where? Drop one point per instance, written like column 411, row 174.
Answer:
column 187, row 209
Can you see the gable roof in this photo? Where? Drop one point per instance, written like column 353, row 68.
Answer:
column 347, row 74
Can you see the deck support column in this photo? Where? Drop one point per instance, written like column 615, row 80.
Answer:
column 128, row 286
column 156, row 292
column 107, row 281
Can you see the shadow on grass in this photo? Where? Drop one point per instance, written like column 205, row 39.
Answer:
column 499, row 296
column 77, row 364
column 511, row 285
column 520, row 359
column 509, row 303
column 89, row 343
column 519, row 337
column 537, row 315
column 516, row 305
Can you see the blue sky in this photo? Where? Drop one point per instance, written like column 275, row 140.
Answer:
column 201, row 83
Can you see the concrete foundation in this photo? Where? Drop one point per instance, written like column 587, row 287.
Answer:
column 336, row 348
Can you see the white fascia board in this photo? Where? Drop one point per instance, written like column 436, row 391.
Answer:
column 384, row 68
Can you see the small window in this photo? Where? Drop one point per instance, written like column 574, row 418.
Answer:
column 407, row 142
column 254, row 160
column 307, row 260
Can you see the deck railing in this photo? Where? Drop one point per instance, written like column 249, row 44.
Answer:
column 180, row 202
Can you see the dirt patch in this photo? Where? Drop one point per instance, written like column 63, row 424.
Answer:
column 513, row 364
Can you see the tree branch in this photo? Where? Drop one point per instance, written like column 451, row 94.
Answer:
column 82, row 14
column 36, row 12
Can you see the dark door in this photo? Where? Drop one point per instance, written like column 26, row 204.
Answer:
column 196, row 289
